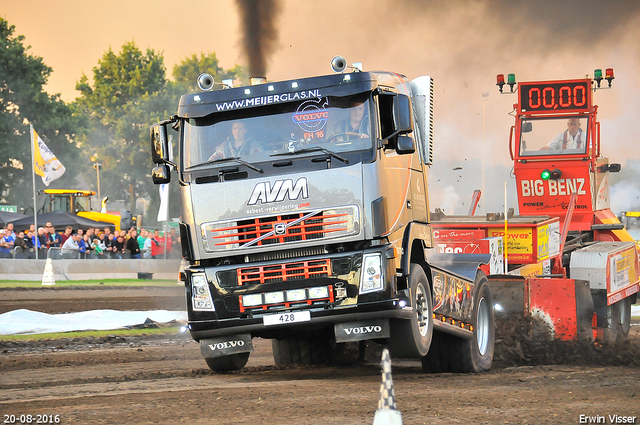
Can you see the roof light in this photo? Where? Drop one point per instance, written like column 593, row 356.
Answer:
column 270, row 88
column 247, row 91
column 609, row 75
column 294, row 85
column 511, row 80
column 347, row 77
column 500, row 83
column 597, row 76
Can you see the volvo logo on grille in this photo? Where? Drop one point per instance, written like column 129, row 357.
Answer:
column 280, row 229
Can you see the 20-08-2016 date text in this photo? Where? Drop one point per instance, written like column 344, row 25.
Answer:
column 31, row 419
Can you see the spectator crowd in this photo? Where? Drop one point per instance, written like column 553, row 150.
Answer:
column 94, row 243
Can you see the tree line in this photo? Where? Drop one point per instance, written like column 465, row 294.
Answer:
column 129, row 91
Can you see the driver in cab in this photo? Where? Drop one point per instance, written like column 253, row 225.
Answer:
column 356, row 126
column 572, row 138
column 238, row 145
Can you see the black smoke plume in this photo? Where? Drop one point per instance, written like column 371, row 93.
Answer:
column 260, row 34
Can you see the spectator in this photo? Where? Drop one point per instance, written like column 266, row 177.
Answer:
column 29, row 242
column 82, row 245
column 6, row 243
column 66, row 235
column 70, row 247
column 148, row 243
column 23, row 251
column 157, row 245
column 32, row 228
column 43, row 239
column 87, row 244
column 11, row 232
column 96, row 247
column 132, row 244
column 55, row 239
column 141, row 238
column 117, row 247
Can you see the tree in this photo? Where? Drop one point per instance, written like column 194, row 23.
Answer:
column 123, row 84
column 186, row 73
column 23, row 101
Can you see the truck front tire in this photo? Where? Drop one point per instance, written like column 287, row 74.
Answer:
column 412, row 338
column 228, row 363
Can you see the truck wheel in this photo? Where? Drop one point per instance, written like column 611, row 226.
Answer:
column 620, row 322
column 289, row 351
column 412, row 338
column 477, row 352
column 438, row 359
column 228, row 363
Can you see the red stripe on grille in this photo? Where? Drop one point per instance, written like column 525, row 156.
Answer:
column 282, row 272
column 314, row 225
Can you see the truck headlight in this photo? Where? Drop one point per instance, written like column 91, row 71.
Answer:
column 318, row 292
column 371, row 279
column 251, row 300
column 296, row 295
column 274, row 297
column 200, row 296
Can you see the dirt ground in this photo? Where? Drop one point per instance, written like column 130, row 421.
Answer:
column 163, row 379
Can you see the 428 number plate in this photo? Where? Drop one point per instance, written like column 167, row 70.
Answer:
column 284, row 318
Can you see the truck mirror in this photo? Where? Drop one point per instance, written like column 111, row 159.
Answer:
column 161, row 174
column 403, row 116
column 405, row 145
column 527, row 127
column 159, row 143
column 396, row 116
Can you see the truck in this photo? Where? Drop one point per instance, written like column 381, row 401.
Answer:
column 305, row 220
column 570, row 263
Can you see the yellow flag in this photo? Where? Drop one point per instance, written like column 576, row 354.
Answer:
column 46, row 164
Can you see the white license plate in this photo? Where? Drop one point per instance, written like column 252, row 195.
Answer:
column 284, row 318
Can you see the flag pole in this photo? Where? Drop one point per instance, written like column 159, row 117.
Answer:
column 33, row 178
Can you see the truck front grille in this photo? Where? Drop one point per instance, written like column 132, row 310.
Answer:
column 284, row 272
column 280, row 229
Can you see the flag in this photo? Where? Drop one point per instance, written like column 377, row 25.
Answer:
column 46, row 165
column 163, row 211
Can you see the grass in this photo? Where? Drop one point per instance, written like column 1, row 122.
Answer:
column 87, row 334
column 93, row 282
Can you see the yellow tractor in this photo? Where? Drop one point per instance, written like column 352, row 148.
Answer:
column 79, row 202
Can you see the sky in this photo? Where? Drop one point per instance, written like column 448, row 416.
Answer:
column 461, row 44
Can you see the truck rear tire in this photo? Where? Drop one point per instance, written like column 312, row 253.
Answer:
column 289, row 351
column 228, row 363
column 412, row 338
column 620, row 322
column 452, row 354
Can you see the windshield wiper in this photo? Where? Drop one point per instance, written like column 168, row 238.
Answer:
column 314, row 149
column 231, row 158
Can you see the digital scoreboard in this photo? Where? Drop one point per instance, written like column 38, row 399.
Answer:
column 561, row 96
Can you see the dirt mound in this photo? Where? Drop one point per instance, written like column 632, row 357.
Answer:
column 526, row 342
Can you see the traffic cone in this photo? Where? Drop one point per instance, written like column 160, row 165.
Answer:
column 387, row 412
column 47, row 277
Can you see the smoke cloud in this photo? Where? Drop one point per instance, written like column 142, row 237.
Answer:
column 259, row 32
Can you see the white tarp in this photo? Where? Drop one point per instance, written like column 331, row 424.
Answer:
column 33, row 322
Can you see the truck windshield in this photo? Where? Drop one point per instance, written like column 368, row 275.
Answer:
column 554, row 136
column 339, row 124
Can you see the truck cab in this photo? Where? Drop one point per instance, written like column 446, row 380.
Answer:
column 305, row 216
